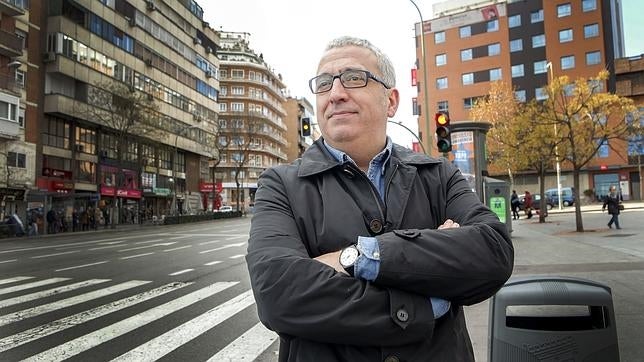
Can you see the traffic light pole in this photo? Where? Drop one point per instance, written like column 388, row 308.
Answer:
column 427, row 136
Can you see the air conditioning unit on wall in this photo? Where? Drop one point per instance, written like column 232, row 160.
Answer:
column 150, row 5
column 79, row 148
column 49, row 57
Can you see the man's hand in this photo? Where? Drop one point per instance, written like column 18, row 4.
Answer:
column 332, row 260
column 448, row 224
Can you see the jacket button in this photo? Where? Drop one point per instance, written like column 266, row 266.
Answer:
column 402, row 315
column 375, row 226
column 392, row 359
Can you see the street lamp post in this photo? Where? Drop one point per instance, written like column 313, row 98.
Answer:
column 174, row 167
column 427, row 136
column 412, row 133
column 558, row 166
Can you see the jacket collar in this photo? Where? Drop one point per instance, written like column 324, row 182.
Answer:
column 316, row 159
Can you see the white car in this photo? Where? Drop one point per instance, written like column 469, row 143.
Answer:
column 226, row 209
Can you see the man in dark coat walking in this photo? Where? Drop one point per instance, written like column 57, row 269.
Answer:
column 612, row 200
column 363, row 250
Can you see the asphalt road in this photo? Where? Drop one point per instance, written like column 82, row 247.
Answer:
column 175, row 293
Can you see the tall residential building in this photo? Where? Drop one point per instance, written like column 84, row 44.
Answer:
column 296, row 110
column 252, row 119
column 471, row 43
column 160, row 49
column 19, row 91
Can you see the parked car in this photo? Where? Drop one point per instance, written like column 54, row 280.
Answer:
column 567, row 198
column 225, row 209
column 536, row 202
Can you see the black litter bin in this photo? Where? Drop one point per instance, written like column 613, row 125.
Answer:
column 550, row 318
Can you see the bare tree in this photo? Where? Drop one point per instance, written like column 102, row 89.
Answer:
column 125, row 113
column 239, row 147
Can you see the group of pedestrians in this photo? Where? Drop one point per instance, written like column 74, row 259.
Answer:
column 515, row 204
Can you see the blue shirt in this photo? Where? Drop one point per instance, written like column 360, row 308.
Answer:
column 367, row 265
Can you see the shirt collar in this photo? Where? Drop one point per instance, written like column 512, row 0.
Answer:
column 381, row 158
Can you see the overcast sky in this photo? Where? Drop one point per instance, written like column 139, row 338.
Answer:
column 292, row 34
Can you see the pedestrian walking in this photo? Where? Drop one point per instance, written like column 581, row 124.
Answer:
column 363, row 250
column 527, row 204
column 514, row 204
column 613, row 202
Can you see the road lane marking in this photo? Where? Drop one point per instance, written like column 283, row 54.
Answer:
column 180, row 272
column 135, row 256
column 64, row 303
column 210, row 242
column 8, row 261
column 13, row 280
column 107, row 247
column 178, row 248
column 214, row 262
column 180, row 237
column 237, row 237
column 248, row 346
column 40, row 283
column 86, row 316
column 148, row 241
column 82, row 266
column 222, row 247
column 146, row 246
column 167, row 342
column 70, row 244
column 90, row 340
column 49, row 292
column 54, row 254
column 237, row 256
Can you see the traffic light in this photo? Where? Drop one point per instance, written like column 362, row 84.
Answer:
column 443, row 134
column 305, row 127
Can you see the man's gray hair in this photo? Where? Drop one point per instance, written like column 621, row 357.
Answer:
column 385, row 66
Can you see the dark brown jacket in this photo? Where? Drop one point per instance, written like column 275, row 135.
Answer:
column 316, row 206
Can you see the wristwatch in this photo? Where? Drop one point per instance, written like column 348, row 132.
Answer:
column 348, row 258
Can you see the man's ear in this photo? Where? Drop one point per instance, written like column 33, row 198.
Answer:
column 393, row 100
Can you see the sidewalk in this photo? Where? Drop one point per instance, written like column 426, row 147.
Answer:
column 608, row 256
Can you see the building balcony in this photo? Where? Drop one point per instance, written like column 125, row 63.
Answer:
column 8, row 84
column 628, row 88
column 10, row 44
column 9, row 129
column 12, row 7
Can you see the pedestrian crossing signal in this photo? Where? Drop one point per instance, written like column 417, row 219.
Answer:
column 443, row 134
column 305, row 127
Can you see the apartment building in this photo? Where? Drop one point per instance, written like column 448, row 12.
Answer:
column 161, row 49
column 252, row 119
column 19, row 89
column 471, row 43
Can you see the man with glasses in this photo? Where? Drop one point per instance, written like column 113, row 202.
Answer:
column 363, row 250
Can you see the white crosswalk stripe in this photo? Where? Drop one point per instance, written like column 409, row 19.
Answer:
column 136, row 310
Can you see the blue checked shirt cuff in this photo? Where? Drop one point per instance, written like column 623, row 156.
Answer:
column 367, row 267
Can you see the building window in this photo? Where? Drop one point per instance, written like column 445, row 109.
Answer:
column 593, row 58
column 56, row 133
column 23, row 37
column 20, row 78
column 15, row 159
column 439, row 37
column 237, row 73
column 85, row 140
column 493, row 25
column 495, row 74
column 443, row 106
column 539, row 41
column 441, row 59
column 236, row 90
column 85, row 171
column 514, row 21
column 596, row 85
column 441, row 83
column 9, row 111
column 466, row 54
column 517, row 71
column 465, row 31
column 468, row 78
column 565, row 35
column 237, row 107
column 516, row 45
column 564, row 10
column 588, row 5
column 223, row 107
column 494, row 49
column 591, row 31
column 568, row 62
column 540, row 67
column 519, row 95
column 540, row 94
column 536, row 16
column 470, row 102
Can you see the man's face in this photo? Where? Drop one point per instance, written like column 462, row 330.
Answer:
column 356, row 116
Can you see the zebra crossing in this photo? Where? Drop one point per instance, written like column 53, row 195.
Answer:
column 32, row 329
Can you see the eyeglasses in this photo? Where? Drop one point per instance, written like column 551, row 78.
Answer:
column 349, row 79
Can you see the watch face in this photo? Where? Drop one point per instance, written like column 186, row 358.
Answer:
column 348, row 256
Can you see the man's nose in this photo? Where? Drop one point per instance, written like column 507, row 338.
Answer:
column 337, row 89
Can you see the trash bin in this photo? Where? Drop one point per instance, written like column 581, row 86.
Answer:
column 552, row 318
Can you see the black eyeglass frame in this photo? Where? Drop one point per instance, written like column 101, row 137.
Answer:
column 339, row 76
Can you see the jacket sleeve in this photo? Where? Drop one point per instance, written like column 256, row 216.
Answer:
column 297, row 295
column 464, row 265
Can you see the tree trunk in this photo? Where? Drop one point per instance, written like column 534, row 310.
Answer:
column 578, row 219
